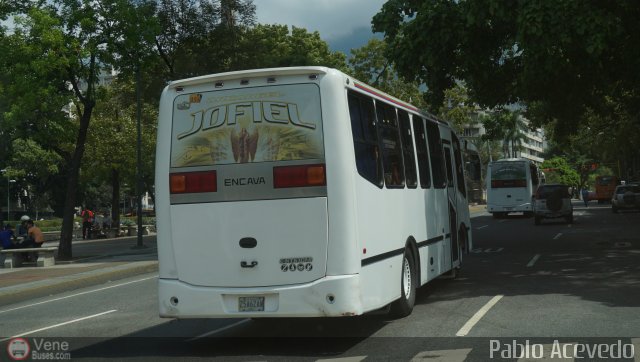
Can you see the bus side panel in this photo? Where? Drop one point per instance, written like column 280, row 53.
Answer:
column 441, row 210
column 387, row 218
column 166, row 257
column 343, row 254
column 433, row 250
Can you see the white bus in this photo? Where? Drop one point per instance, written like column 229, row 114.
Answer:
column 296, row 192
column 511, row 186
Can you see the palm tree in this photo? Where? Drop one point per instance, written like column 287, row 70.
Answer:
column 512, row 124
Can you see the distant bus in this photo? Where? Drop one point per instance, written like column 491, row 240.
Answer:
column 473, row 174
column 302, row 192
column 605, row 187
column 511, row 186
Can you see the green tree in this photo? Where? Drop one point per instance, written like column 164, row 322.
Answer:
column 505, row 126
column 369, row 64
column 458, row 109
column 68, row 43
column 265, row 46
column 560, row 58
column 199, row 37
column 559, row 170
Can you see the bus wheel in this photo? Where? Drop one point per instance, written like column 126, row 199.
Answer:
column 404, row 306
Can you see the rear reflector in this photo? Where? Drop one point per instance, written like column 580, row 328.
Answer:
column 193, row 182
column 299, row 176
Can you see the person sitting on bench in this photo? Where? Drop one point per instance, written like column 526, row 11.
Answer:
column 34, row 238
column 7, row 238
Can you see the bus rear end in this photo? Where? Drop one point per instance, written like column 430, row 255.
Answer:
column 242, row 198
column 509, row 187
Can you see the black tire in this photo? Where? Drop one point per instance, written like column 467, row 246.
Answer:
column 537, row 220
column 569, row 219
column 408, row 283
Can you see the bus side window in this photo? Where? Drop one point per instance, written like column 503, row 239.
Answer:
column 407, row 149
column 421, row 149
column 457, row 154
column 436, row 155
column 390, row 145
column 365, row 138
column 534, row 175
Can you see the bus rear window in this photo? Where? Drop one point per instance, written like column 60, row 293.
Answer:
column 511, row 174
column 265, row 124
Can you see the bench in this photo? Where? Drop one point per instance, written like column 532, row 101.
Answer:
column 13, row 258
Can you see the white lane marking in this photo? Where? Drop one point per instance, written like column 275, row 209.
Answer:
column 533, row 260
column 557, row 236
column 77, row 294
column 481, row 227
column 453, row 355
column 218, row 330
column 466, row 328
column 343, row 359
column 59, row 325
column 502, row 221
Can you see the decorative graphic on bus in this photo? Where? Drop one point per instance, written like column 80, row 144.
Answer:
column 508, row 171
column 247, row 125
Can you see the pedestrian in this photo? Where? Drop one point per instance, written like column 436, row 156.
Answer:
column 585, row 197
column 35, row 237
column 87, row 222
column 7, row 237
column 22, row 227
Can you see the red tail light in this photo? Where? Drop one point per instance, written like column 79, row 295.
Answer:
column 193, row 182
column 299, row 176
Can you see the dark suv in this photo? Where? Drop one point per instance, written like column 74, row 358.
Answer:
column 552, row 201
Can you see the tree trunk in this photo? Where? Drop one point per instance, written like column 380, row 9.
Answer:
column 115, row 198
column 64, row 248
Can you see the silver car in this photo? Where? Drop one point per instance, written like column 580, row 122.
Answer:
column 553, row 201
column 626, row 197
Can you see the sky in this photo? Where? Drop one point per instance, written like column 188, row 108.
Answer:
column 343, row 24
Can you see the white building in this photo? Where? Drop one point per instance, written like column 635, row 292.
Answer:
column 532, row 146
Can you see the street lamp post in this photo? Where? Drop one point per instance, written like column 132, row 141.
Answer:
column 9, row 182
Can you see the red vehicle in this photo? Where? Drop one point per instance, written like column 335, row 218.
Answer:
column 605, row 187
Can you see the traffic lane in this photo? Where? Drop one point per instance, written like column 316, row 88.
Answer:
column 587, row 294
column 586, row 272
column 129, row 307
column 70, row 306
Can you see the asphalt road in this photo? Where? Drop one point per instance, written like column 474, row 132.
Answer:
column 521, row 282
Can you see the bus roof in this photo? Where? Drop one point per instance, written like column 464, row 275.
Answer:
column 307, row 70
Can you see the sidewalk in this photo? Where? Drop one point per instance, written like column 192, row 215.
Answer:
column 476, row 209
column 94, row 262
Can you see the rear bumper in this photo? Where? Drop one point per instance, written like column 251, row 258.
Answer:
column 303, row 300
column 551, row 214
column 491, row 208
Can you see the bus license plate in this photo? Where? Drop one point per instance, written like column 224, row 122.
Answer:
column 251, row 304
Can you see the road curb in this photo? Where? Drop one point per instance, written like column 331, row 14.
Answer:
column 13, row 294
